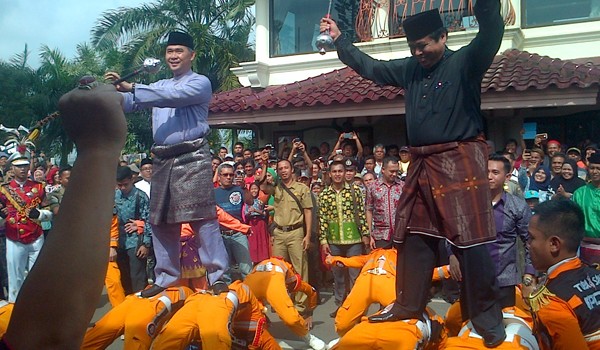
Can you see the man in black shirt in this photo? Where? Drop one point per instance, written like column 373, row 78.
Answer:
column 446, row 194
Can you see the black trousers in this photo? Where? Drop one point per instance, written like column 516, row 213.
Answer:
column 133, row 270
column 416, row 261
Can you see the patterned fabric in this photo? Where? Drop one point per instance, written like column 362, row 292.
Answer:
column 178, row 171
column 125, row 206
column 382, row 200
column 338, row 222
column 447, row 194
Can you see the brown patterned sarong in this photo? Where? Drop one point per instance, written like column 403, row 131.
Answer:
column 447, row 194
column 182, row 188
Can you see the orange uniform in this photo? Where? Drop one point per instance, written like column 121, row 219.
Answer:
column 138, row 318
column 112, row 281
column 376, row 283
column 208, row 317
column 399, row 335
column 6, row 309
column 517, row 324
column 566, row 307
column 269, row 282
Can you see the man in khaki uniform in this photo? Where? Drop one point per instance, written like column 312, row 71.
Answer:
column 290, row 239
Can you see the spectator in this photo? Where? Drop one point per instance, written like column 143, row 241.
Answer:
column 135, row 234
column 299, row 157
column 567, row 182
column 351, row 147
column 146, row 176
column 350, row 166
column 565, row 308
column 369, row 165
column 231, row 197
column 574, row 154
column 3, row 161
column 247, row 153
column 533, row 199
column 556, row 162
column 588, row 198
column 404, row 161
column 249, row 171
column 238, row 157
column 256, row 216
column 20, row 201
column 293, row 215
column 553, row 147
column 512, row 184
column 135, row 172
column 392, row 151
column 238, row 148
column 342, row 227
column 223, row 152
column 314, row 152
column 378, row 154
column 382, row 202
column 540, row 181
column 511, row 217
column 368, row 178
column 324, row 150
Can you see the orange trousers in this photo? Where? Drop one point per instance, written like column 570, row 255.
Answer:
column 380, row 336
column 367, row 289
column 130, row 318
column 270, row 286
column 112, row 281
column 203, row 316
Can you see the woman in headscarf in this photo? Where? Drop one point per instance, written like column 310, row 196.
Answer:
column 564, row 185
column 539, row 181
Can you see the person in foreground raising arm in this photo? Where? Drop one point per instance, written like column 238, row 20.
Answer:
column 94, row 120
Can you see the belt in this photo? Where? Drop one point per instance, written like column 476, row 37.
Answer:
column 228, row 232
column 290, row 228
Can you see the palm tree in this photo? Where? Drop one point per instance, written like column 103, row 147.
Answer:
column 220, row 29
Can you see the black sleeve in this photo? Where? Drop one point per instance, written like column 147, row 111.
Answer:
column 487, row 41
column 381, row 72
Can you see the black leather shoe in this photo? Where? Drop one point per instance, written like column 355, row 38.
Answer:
column 494, row 337
column 390, row 313
column 219, row 287
column 151, row 291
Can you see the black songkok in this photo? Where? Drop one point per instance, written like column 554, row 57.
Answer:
column 594, row 158
column 179, row 38
column 422, row 24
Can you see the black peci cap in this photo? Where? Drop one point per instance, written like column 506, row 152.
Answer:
column 422, row 24
column 180, row 38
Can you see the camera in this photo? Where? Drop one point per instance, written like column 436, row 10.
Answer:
column 239, row 173
column 297, row 139
column 347, row 135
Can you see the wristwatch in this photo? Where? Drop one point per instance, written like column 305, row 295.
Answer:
column 527, row 281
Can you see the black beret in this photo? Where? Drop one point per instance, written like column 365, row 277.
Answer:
column 422, row 24
column 180, row 38
column 594, row 158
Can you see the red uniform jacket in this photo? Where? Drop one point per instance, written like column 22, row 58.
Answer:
column 19, row 201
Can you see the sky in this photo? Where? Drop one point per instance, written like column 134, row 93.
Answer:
column 59, row 24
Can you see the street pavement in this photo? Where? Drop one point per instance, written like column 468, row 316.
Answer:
column 323, row 326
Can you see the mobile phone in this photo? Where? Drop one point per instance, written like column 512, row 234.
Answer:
column 338, row 151
column 348, row 135
column 543, row 136
column 297, row 139
column 239, row 172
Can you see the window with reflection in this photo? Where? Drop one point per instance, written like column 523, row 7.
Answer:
column 455, row 14
column 551, row 12
column 294, row 24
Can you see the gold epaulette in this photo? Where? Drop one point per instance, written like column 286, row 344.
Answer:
column 540, row 298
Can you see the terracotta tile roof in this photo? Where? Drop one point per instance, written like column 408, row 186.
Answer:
column 513, row 69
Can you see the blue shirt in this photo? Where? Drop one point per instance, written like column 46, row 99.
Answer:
column 231, row 200
column 125, row 209
column 179, row 107
column 511, row 216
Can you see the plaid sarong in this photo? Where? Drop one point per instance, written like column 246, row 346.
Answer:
column 182, row 188
column 447, row 194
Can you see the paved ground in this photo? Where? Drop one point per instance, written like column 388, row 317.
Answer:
column 322, row 325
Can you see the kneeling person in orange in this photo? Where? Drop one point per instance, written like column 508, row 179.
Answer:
column 208, row 318
column 400, row 335
column 517, row 325
column 6, row 309
column 271, row 281
column 375, row 284
column 139, row 319
column 112, row 281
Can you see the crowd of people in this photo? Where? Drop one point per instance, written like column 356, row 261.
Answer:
column 198, row 243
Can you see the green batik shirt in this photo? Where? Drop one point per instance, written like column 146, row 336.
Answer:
column 338, row 223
